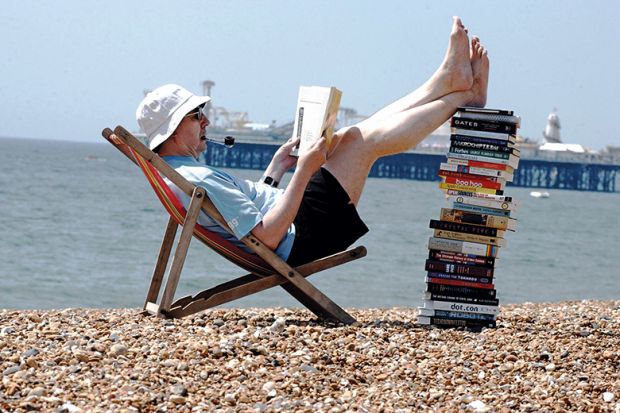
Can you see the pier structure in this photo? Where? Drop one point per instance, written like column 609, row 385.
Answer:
column 532, row 173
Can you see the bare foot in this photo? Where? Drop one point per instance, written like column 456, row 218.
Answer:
column 480, row 70
column 455, row 72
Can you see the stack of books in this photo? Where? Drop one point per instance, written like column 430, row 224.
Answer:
column 468, row 236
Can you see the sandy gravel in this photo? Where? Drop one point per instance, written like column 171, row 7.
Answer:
column 542, row 357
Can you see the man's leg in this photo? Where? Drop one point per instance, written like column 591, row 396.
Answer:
column 362, row 144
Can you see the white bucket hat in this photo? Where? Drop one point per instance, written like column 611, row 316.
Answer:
column 161, row 111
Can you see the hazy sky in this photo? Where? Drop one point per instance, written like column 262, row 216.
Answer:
column 70, row 68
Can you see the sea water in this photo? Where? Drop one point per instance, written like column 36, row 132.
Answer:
column 80, row 227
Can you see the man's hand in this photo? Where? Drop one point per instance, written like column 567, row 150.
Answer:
column 314, row 157
column 282, row 160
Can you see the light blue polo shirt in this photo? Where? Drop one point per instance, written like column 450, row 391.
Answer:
column 241, row 202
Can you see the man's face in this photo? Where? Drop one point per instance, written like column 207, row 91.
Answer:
column 191, row 132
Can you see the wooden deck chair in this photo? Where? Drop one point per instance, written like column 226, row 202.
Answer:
column 266, row 268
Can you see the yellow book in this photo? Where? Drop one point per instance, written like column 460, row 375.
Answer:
column 317, row 109
column 466, row 188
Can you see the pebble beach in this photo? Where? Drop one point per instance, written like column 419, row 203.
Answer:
column 543, row 357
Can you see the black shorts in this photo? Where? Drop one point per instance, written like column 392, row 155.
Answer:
column 326, row 223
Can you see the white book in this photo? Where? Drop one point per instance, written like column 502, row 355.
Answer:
column 483, row 134
column 474, row 170
column 464, row 247
column 462, row 307
column 317, row 108
column 484, row 202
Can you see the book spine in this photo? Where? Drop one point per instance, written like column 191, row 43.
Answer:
column 484, row 111
column 499, row 202
column 455, row 298
column 473, row 181
column 459, row 277
column 481, row 146
column 494, row 155
column 462, row 247
column 480, row 161
column 492, row 221
column 457, row 291
column 484, row 125
column 458, row 283
column 459, row 258
column 465, row 169
column 453, row 172
column 503, row 143
column 462, row 307
column 467, row 188
column 464, row 315
column 455, row 268
column 481, row 210
column 461, row 236
column 465, row 228
column 483, row 134
column 455, row 322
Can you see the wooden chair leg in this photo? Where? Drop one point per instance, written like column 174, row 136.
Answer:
column 181, row 251
column 162, row 262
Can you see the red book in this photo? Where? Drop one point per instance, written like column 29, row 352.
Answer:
column 473, row 182
column 463, row 175
column 480, row 164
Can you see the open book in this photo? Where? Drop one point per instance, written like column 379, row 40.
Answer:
column 317, row 108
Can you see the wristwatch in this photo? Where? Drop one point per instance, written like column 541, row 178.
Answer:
column 270, row 181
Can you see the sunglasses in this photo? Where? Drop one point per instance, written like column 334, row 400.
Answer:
column 198, row 113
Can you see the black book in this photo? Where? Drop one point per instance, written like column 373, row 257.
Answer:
column 455, row 268
column 466, row 228
column 458, row 291
column 462, row 259
column 483, row 146
column 458, row 299
column 431, row 276
column 484, row 125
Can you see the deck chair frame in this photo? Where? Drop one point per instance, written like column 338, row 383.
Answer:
column 291, row 279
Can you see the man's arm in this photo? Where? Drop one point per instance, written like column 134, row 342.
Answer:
column 277, row 221
column 282, row 161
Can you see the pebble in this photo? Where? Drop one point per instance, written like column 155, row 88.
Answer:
column 277, row 359
column 118, row 349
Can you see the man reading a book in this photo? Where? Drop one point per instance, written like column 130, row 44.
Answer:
column 315, row 215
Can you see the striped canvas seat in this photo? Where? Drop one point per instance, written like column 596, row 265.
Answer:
column 177, row 211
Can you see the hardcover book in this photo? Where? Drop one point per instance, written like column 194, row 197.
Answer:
column 457, row 299
column 317, row 108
